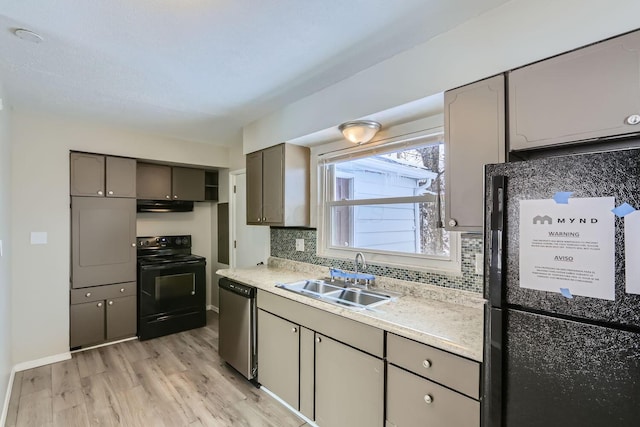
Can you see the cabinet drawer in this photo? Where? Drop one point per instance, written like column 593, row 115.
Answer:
column 445, row 368
column 97, row 293
column 413, row 401
column 363, row 337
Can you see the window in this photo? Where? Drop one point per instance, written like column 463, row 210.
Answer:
column 386, row 201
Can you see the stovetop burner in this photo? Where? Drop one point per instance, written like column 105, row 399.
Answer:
column 157, row 250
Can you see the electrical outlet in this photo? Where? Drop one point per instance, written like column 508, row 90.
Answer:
column 300, row 245
column 479, row 263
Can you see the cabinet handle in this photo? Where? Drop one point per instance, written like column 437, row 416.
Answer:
column 121, row 290
column 110, row 192
column 428, row 399
column 318, row 339
column 133, row 245
column 258, row 219
column 633, row 119
column 88, row 294
column 167, row 196
column 99, row 192
column 294, row 330
column 453, row 223
column 99, row 304
column 264, row 218
column 426, row 363
column 110, row 303
column 175, row 196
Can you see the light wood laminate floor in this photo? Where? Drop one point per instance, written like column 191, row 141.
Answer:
column 177, row 380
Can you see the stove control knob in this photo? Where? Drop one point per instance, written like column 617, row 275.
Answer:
column 178, row 241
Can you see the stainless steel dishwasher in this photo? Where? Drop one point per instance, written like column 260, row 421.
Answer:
column 237, row 334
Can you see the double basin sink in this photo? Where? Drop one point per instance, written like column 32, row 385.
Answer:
column 352, row 297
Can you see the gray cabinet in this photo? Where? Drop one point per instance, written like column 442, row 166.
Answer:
column 102, row 313
column 103, row 241
column 86, row 324
column 153, row 181
column 413, row 401
column 121, row 318
column 278, row 186
column 187, row 184
column 278, row 356
column 429, row 386
column 95, row 175
column 584, row 94
column 161, row 182
column 349, row 385
column 474, row 136
column 328, row 367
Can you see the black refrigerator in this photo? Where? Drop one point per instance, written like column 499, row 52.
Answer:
column 562, row 324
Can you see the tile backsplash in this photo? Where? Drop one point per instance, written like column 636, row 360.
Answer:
column 283, row 245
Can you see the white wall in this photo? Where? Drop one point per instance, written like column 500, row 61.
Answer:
column 40, row 202
column 514, row 34
column 6, row 362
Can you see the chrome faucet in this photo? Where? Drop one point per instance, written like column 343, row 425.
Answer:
column 355, row 262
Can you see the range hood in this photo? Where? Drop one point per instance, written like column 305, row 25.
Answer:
column 164, row 206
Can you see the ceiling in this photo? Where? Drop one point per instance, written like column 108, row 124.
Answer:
column 201, row 69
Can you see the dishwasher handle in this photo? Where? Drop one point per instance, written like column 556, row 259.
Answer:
column 237, row 288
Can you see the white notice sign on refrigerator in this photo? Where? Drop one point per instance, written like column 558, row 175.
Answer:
column 568, row 246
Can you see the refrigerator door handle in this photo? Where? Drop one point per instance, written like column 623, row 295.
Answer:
column 498, row 186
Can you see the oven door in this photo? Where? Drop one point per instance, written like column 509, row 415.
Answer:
column 167, row 289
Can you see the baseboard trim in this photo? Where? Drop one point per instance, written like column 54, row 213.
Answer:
column 104, row 344
column 7, row 398
column 213, row 308
column 289, row 407
column 42, row 362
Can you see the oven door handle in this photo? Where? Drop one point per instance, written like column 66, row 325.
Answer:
column 170, row 265
column 193, row 285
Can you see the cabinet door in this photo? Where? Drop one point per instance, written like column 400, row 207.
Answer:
column 413, row 401
column 349, row 386
column 86, row 324
column 278, row 356
column 474, row 136
column 188, row 184
column 103, row 241
column 121, row 317
column 254, row 188
column 121, row 177
column 273, row 185
column 585, row 94
column 153, row 181
column 87, row 175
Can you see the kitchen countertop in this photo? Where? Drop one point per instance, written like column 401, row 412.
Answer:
column 448, row 319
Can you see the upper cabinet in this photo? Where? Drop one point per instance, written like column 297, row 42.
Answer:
column 95, row 175
column 278, row 186
column 187, row 184
column 161, row 182
column 589, row 93
column 474, row 136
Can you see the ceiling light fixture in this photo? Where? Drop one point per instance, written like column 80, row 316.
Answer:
column 359, row 131
column 27, row 35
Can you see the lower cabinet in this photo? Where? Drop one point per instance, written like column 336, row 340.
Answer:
column 429, row 386
column 349, row 385
column 329, row 379
column 413, row 401
column 102, row 313
column 332, row 370
column 279, row 356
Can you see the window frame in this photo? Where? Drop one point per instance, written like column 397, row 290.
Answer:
column 451, row 265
